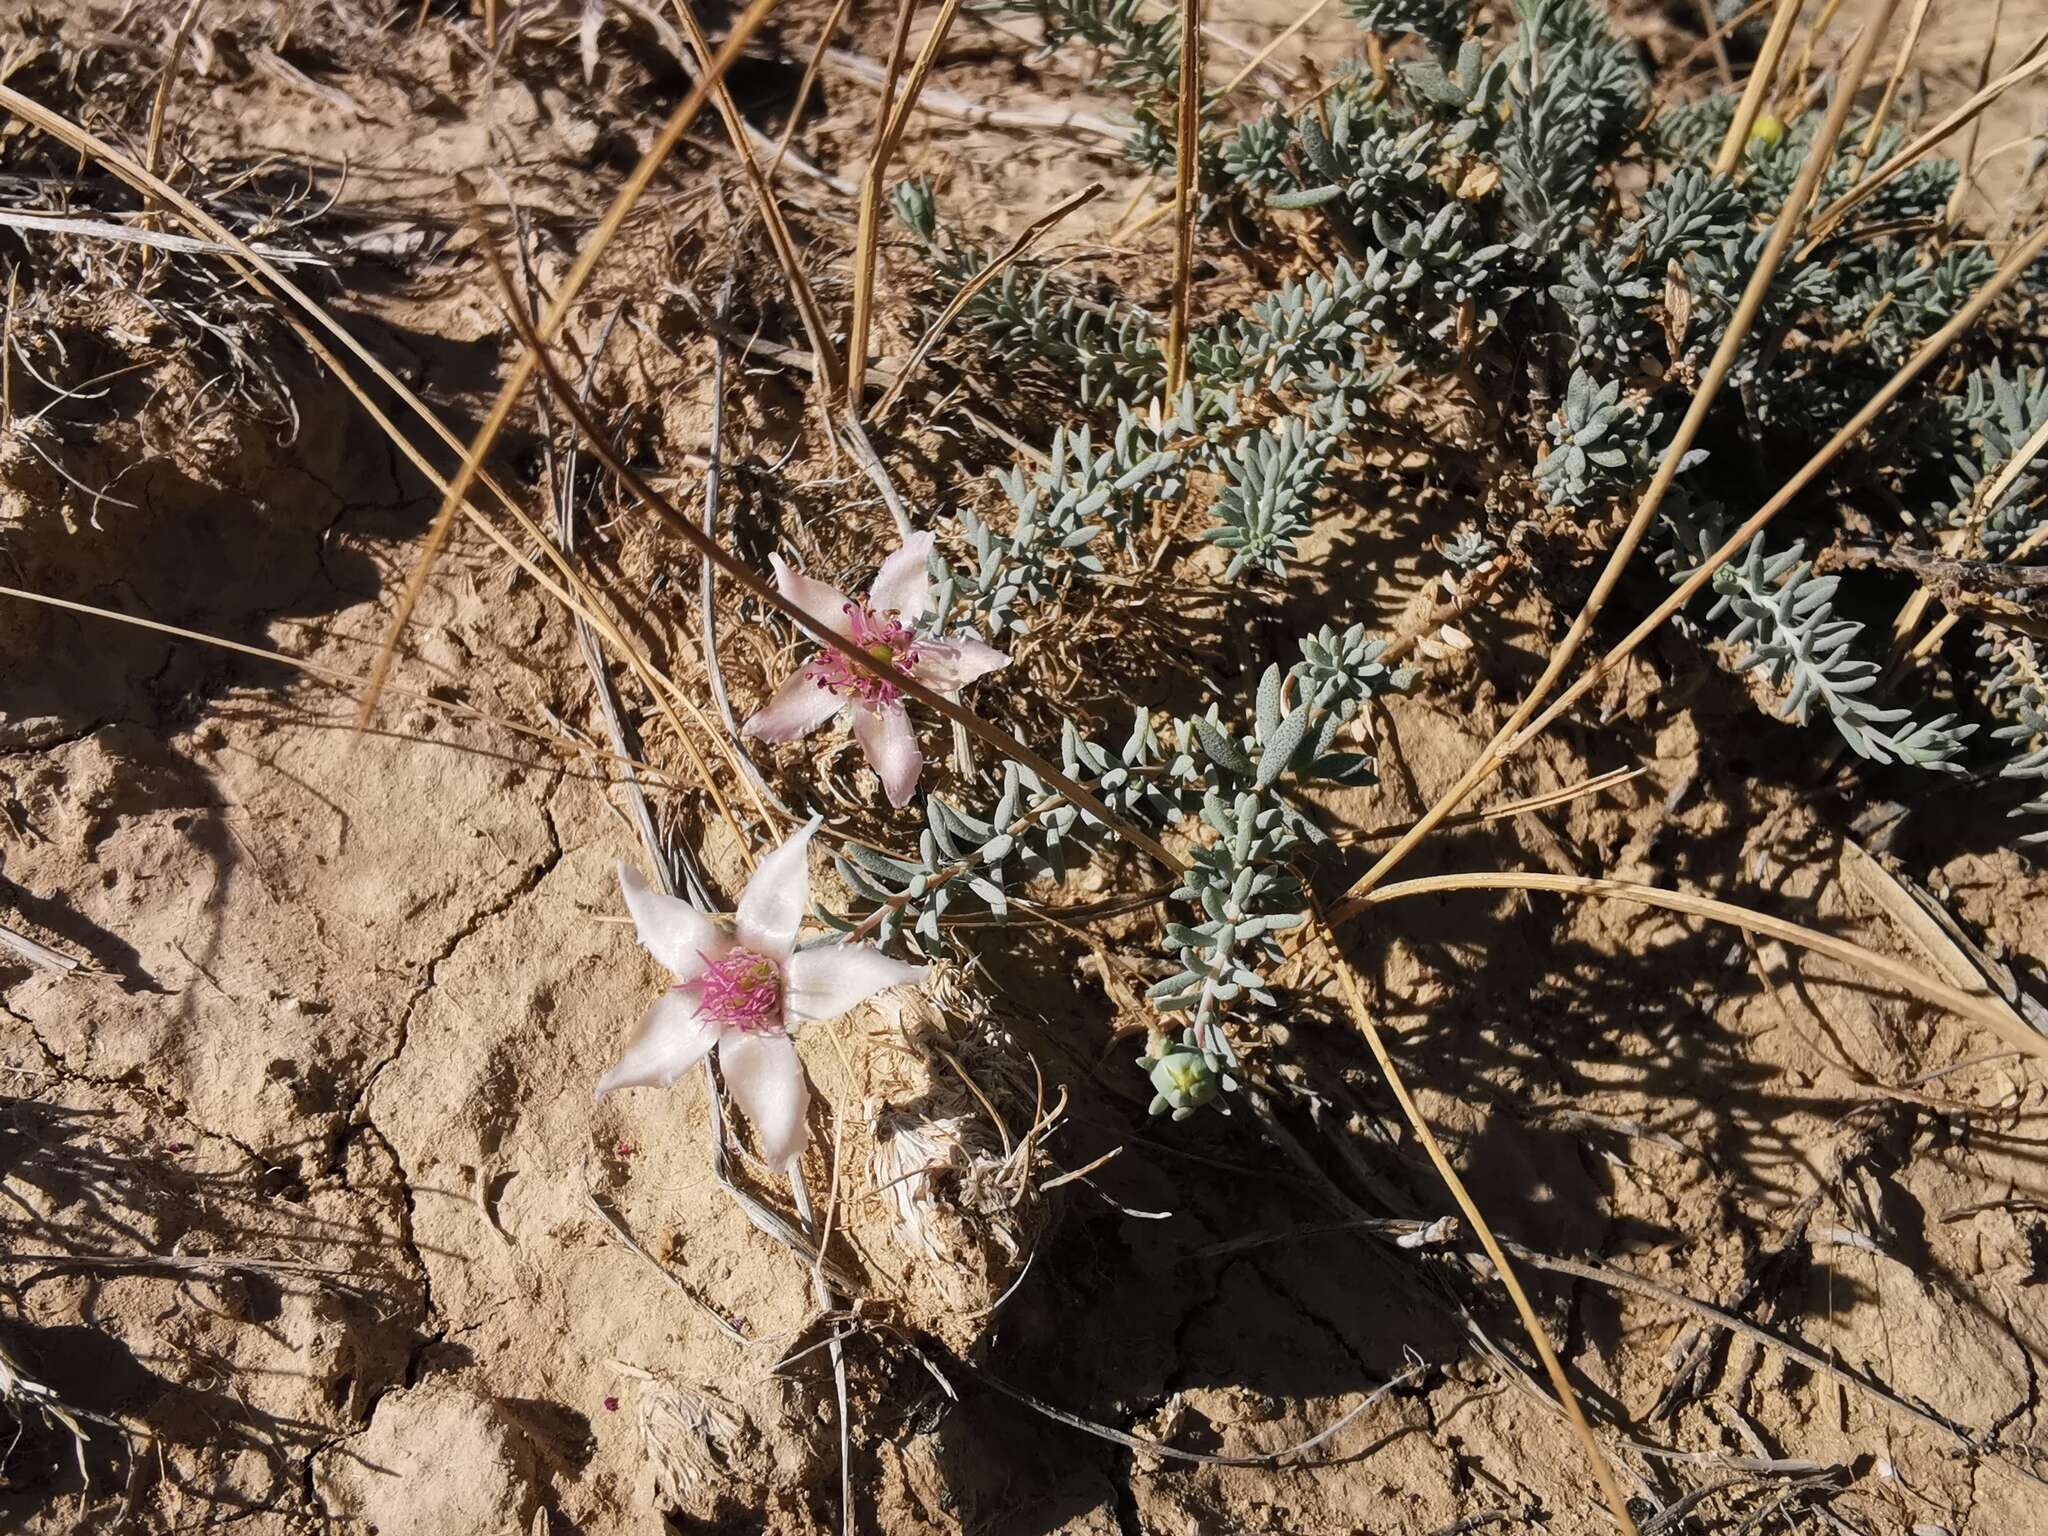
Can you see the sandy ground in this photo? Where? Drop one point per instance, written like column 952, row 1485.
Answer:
column 309, row 1211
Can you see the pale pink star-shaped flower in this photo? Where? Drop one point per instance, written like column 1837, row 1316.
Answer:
column 742, row 992
column 885, row 626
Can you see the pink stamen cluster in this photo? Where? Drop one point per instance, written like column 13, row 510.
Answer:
column 742, row 991
column 884, row 637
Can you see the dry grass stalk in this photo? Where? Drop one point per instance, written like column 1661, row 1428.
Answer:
column 1539, row 1337
column 1982, row 1009
column 1550, row 799
column 944, row 103
column 1831, row 216
column 1714, row 39
column 1819, row 154
column 1258, row 60
column 988, row 274
column 336, row 677
column 153, row 154
column 1717, row 42
column 1187, row 191
column 810, row 78
column 1758, row 88
column 1892, row 83
column 1796, row 92
column 800, row 290
column 743, row 30
column 1966, row 162
column 892, row 116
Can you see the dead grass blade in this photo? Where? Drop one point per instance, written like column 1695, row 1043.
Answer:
column 1979, row 1009
column 1828, row 11
column 152, row 155
column 338, row 677
column 800, row 290
column 893, row 116
column 1187, row 192
column 1539, row 1337
column 746, row 576
column 803, row 90
column 1714, row 39
column 988, row 274
column 1893, row 81
column 1614, row 778
column 2016, row 262
column 938, row 102
column 1813, row 1360
column 1819, row 154
column 1258, row 59
column 744, row 28
column 1757, row 89
column 1831, row 216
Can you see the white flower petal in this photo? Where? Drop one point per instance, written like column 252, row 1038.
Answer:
column 776, row 898
column 800, row 706
column 903, row 584
column 825, row 982
column 674, row 932
column 822, row 603
column 671, row 1039
column 767, row 1081
column 885, row 735
column 949, row 664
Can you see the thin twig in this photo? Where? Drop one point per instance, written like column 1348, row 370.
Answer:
column 335, row 677
column 1891, row 86
column 1539, row 1337
column 944, row 103
column 780, row 240
column 632, row 1246
column 1025, row 240
column 863, row 451
column 1187, row 192
column 803, row 89
column 1813, row 1360
column 593, row 659
column 1759, row 87
column 1257, row 60
column 1173, row 1452
column 891, row 116
column 829, row 1303
column 707, row 577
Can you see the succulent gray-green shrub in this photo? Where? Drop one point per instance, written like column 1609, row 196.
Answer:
column 1500, row 222
column 1187, row 1074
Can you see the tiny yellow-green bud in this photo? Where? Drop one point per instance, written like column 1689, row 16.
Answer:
column 1767, row 130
